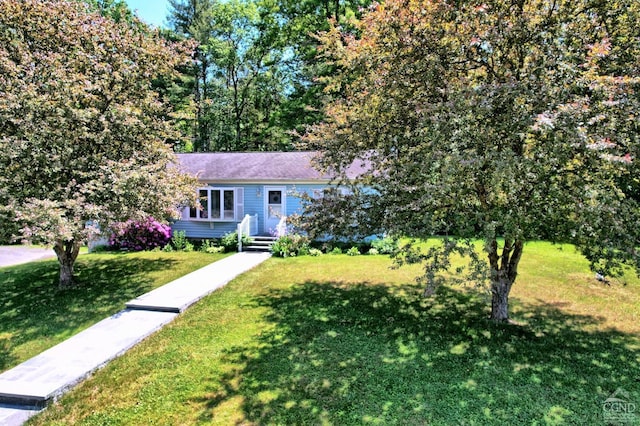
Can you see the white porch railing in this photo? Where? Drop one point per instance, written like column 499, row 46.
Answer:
column 281, row 229
column 248, row 227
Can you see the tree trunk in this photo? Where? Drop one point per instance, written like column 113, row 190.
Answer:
column 500, row 300
column 67, row 252
column 504, row 270
column 202, row 108
column 197, row 128
column 237, row 113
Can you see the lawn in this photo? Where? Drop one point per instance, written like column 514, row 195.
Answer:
column 35, row 315
column 346, row 340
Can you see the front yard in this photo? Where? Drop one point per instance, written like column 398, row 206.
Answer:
column 35, row 315
column 345, row 340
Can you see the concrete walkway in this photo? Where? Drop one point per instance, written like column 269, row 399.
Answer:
column 29, row 387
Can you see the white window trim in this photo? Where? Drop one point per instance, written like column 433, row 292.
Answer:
column 238, row 205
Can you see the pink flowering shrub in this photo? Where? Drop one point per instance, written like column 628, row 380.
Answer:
column 135, row 235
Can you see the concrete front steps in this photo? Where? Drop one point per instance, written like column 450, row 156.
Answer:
column 261, row 243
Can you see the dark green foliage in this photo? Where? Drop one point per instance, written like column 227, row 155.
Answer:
column 180, row 242
column 230, row 241
column 386, row 245
column 291, row 245
column 353, row 251
column 208, row 246
column 254, row 83
column 114, row 9
column 8, row 226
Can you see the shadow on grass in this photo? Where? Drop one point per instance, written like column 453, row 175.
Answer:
column 359, row 354
column 33, row 309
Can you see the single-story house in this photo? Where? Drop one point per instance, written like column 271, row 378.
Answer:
column 258, row 188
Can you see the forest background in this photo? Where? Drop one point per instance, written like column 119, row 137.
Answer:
column 256, row 80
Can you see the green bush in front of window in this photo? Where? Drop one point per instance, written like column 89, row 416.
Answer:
column 291, row 245
column 353, row 251
column 179, row 242
column 386, row 245
column 230, row 241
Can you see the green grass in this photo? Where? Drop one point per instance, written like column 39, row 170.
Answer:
column 35, row 315
column 345, row 340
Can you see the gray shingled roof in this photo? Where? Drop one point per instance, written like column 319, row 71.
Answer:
column 254, row 166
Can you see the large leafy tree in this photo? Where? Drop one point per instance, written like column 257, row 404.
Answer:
column 498, row 120
column 192, row 19
column 115, row 9
column 254, row 78
column 82, row 135
column 301, row 21
column 238, row 80
column 245, row 59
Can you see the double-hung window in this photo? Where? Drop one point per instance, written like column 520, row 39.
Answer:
column 217, row 204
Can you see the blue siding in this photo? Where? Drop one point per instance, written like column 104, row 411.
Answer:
column 253, row 204
column 294, row 204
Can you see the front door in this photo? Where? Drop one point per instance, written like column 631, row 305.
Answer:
column 274, row 207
